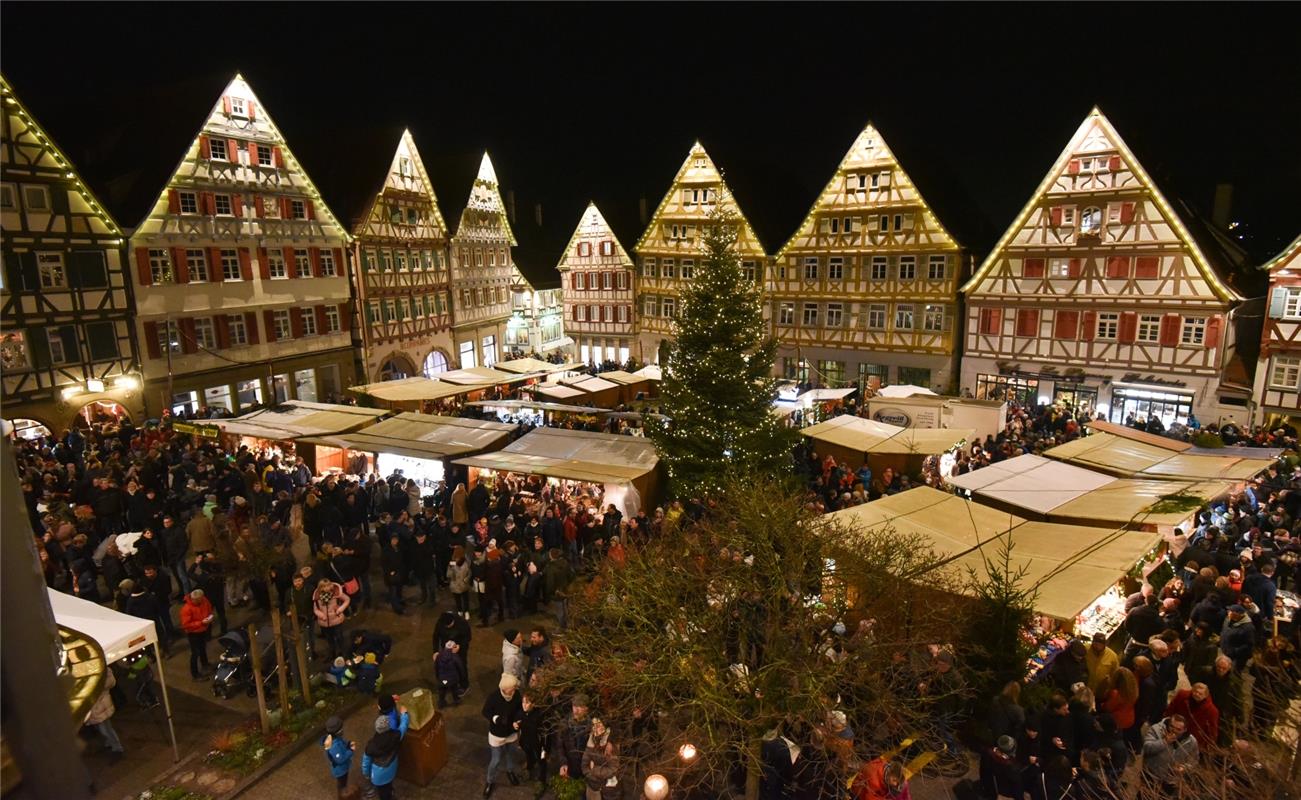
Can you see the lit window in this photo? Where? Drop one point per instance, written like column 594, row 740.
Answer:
column 276, row 265
column 786, row 314
column 1285, row 373
column 309, row 322
column 1091, row 220
column 1149, row 328
column 217, row 149
column 50, row 266
column 230, row 265
column 903, row 317
column 169, row 337
column 934, row 318
column 238, row 333
column 283, row 328
column 328, row 268
column 937, row 268
column 223, row 205
column 836, row 268
column 197, row 259
column 1108, row 326
column 876, row 316
column 1292, row 304
column 160, row 265
column 607, row 248
column 204, row 334
column 237, row 107
column 810, row 315
column 1194, row 331
column 835, row 315
column 189, row 202
column 880, row 267
column 1059, row 267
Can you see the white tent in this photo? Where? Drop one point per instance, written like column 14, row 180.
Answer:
column 903, row 390
column 118, row 635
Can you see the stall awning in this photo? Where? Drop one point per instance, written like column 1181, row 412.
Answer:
column 540, row 405
column 589, row 383
column 296, row 418
column 621, row 377
column 480, row 375
column 824, row 395
column 934, row 514
column 1125, row 452
column 574, row 455
column 525, row 366
column 870, row 436
column 408, row 390
column 118, row 635
column 559, row 391
column 424, row 436
column 904, row 390
column 650, row 371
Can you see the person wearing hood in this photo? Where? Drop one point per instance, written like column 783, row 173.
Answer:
column 452, row 627
column 504, row 711
column 338, row 751
column 513, row 661
column 379, row 763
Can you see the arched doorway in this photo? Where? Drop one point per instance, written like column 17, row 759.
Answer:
column 25, row 429
column 396, row 367
column 435, row 363
column 98, row 413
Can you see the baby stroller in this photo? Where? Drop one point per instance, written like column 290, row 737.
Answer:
column 235, row 664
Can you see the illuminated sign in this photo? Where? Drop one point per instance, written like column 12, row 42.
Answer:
column 893, row 416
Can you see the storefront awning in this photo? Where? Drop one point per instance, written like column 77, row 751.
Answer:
column 296, row 418
column 423, row 436
column 870, row 436
column 650, row 371
column 573, row 455
column 558, row 391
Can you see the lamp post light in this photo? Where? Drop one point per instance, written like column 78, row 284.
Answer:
column 656, row 788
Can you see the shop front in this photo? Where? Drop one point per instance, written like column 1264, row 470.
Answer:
column 1007, row 389
column 1081, row 399
column 1140, row 402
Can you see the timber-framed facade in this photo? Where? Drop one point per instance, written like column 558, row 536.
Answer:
column 483, row 273
column 597, row 284
column 1278, row 371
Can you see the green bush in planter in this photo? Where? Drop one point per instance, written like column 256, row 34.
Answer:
column 567, row 788
column 1208, row 440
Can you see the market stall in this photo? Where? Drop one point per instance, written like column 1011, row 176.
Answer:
column 597, row 391
column 417, row 446
column 534, row 412
column 1125, row 452
column 985, row 417
column 535, row 366
column 276, row 429
column 622, row 468
column 632, row 386
column 411, row 393
column 853, row 440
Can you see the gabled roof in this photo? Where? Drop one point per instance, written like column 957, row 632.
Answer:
column 1198, row 245
column 405, row 141
column 485, row 196
column 15, row 106
column 1285, row 259
column 592, row 217
column 696, row 151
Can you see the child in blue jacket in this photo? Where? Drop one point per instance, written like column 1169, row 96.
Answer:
column 380, row 761
column 339, row 751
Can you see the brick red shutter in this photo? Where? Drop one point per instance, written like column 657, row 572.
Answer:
column 1027, row 322
column 1057, row 216
column 222, row 325
column 225, row 104
column 269, row 320
column 338, row 261
column 205, row 148
column 345, row 316
column 1212, row 338
column 277, row 158
column 285, row 207
column 232, row 151
column 237, row 205
column 1128, row 327
column 252, row 110
column 214, row 259
column 252, row 153
column 311, row 210
column 263, row 265
column 209, row 203
column 257, row 206
column 1118, row 267
column 250, row 326
column 1147, row 267
column 188, row 342
column 1088, row 325
column 245, row 264
column 576, row 313
column 291, row 266
column 1170, row 330
column 181, row 264
column 314, row 257
column 1066, row 325
column 1074, row 167
column 1113, row 163
column 322, row 324
column 1126, row 213
column 1073, row 268
column 143, row 272
column 151, row 340
column 296, row 322
column 573, row 280
column 173, row 202
column 1034, row 268
column 991, row 320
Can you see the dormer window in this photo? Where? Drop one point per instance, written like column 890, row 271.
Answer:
column 404, row 166
column 238, row 107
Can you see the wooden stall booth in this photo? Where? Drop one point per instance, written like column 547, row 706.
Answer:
column 278, row 428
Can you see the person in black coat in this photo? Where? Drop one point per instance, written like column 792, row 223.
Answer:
column 424, row 566
column 1142, row 623
column 452, row 627
column 533, row 738
column 1000, row 775
column 449, row 673
column 394, row 568
column 504, row 711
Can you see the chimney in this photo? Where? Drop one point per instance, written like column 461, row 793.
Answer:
column 1222, row 208
column 510, row 205
column 537, row 214
column 641, row 205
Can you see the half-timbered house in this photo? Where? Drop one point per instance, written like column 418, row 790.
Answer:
column 67, row 351
column 1278, row 372
column 483, row 273
column 672, row 248
column 596, row 280
column 868, row 284
column 240, row 278
column 403, row 275
column 1099, row 295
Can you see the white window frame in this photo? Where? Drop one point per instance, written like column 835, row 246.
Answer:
column 1091, row 221
column 1149, row 329
column 169, row 336
column 230, row 265
column 621, row 280
column 835, row 315
column 297, row 209
column 328, row 268
column 205, row 333
column 1193, row 332
column 1108, row 329
column 668, row 268
column 1292, row 303
column 1059, row 267
column 933, row 318
column 836, row 268
column 911, row 263
column 786, row 314
column 669, row 307
column 649, row 268
column 276, row 267
column 650, row 306
column 902, row 312
column 57, row 354
column 238, row 333
column 215, row 145
column 161, row 268
column 197, row 260
column 881, row 264
column 811, row 264
column 943, row 263
column 284, row 327
column 876, row 316
column 265, row 156
column 581, row 312
column 687, row 270
column 303, row 263
column 220, row 200
column 607, row 248
column 1285, row 373
column 238, row 106
column 188, row 202
column 750, row 271
column 52, row 271
column 809, row 315
column 309, row 321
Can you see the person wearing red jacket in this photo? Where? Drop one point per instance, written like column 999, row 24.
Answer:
column 1196, row 706
column 880, row 779
column 196, row 619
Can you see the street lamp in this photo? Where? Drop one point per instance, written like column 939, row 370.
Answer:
column 656, row 788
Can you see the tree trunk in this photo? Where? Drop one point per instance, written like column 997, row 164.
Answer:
column 282, row 672
column 255, row 653
column 300, row 650
column 752, row 769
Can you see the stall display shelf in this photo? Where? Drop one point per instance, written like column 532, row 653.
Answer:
column 1043, row 659
column 1104, row 615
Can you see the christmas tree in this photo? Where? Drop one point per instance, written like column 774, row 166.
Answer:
column 718, row 390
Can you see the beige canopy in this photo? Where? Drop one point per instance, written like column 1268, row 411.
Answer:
column 1125, row 452
column 406, row 390
column 296, row 418
column 424, row 436
column 525, row 366
column 870, row 436
column 575, row 455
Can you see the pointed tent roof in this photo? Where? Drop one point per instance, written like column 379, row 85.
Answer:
column 713, row 172
column 1197, row 245
column 409, row 143
column 859, row 156
column 15, row 106
column 592, row 217
column 485, row 195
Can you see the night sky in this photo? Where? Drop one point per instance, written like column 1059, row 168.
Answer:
column 579, row 102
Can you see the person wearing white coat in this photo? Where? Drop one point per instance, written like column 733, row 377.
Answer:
column 513, row 660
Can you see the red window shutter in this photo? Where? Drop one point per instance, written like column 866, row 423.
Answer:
column 1057, row 216
column 296, row 322
column 321, row 326
column 252, row 153
column 314, row 254
column 173, row 202
column 214, row 264
column 1147, row 267
column 1073, row 268
column 245, row 264
column 338, row 261
column 1212, row 338
column 252, row 110
column 1126, row 213
column 311, row 210
column 151, row 340
column 576, row 313
column 143, row 272
column 1027, row 322
column 237, row 205
column 573, row 281
column 222, row 325
column 181, row 264
column 188, row 342
column 232, row 151
column 990, row 320
column 263, row 266
column 1074, row 167
column 209, row 203
column 285, row 207
column 1113, row 163
column 1128, row 327
column 291, row 266
column 1033, row 268
column 250, row 326
column 1170, row 330
column 205, row 149
column 1118, row 267
column 277, row 158
column 257, row 206
column 345, row 316
column 1088, row 325
column 1066, row 325
column 225, row 104
column 269, row 321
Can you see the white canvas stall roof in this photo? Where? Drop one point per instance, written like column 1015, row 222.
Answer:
column 413, row 389
column 651, row 371
column 621, row 377
column 541, row 405
column 119, row 635
column 473, row 375
column 524, row 366
column 575, row 455
column 1143, row 458
column 870, row 436
column 296, row 418
column 936, row 515
column 590, row 383
column 425, row 436
column 823, row 395
column 903, row 390
column 559, row 392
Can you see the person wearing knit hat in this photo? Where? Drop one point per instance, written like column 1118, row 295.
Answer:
column 504, row 711
column 380, row 761
column 338, row 751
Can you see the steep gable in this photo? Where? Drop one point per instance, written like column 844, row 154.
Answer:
column 485, row 216
column 592, row 229
column 406, row 179
column 691, row 198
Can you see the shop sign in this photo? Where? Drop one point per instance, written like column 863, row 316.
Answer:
column 1134, row 377
column 893, row 416
column 202, row 431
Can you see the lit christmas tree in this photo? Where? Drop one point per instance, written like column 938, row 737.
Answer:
column 718, row 390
